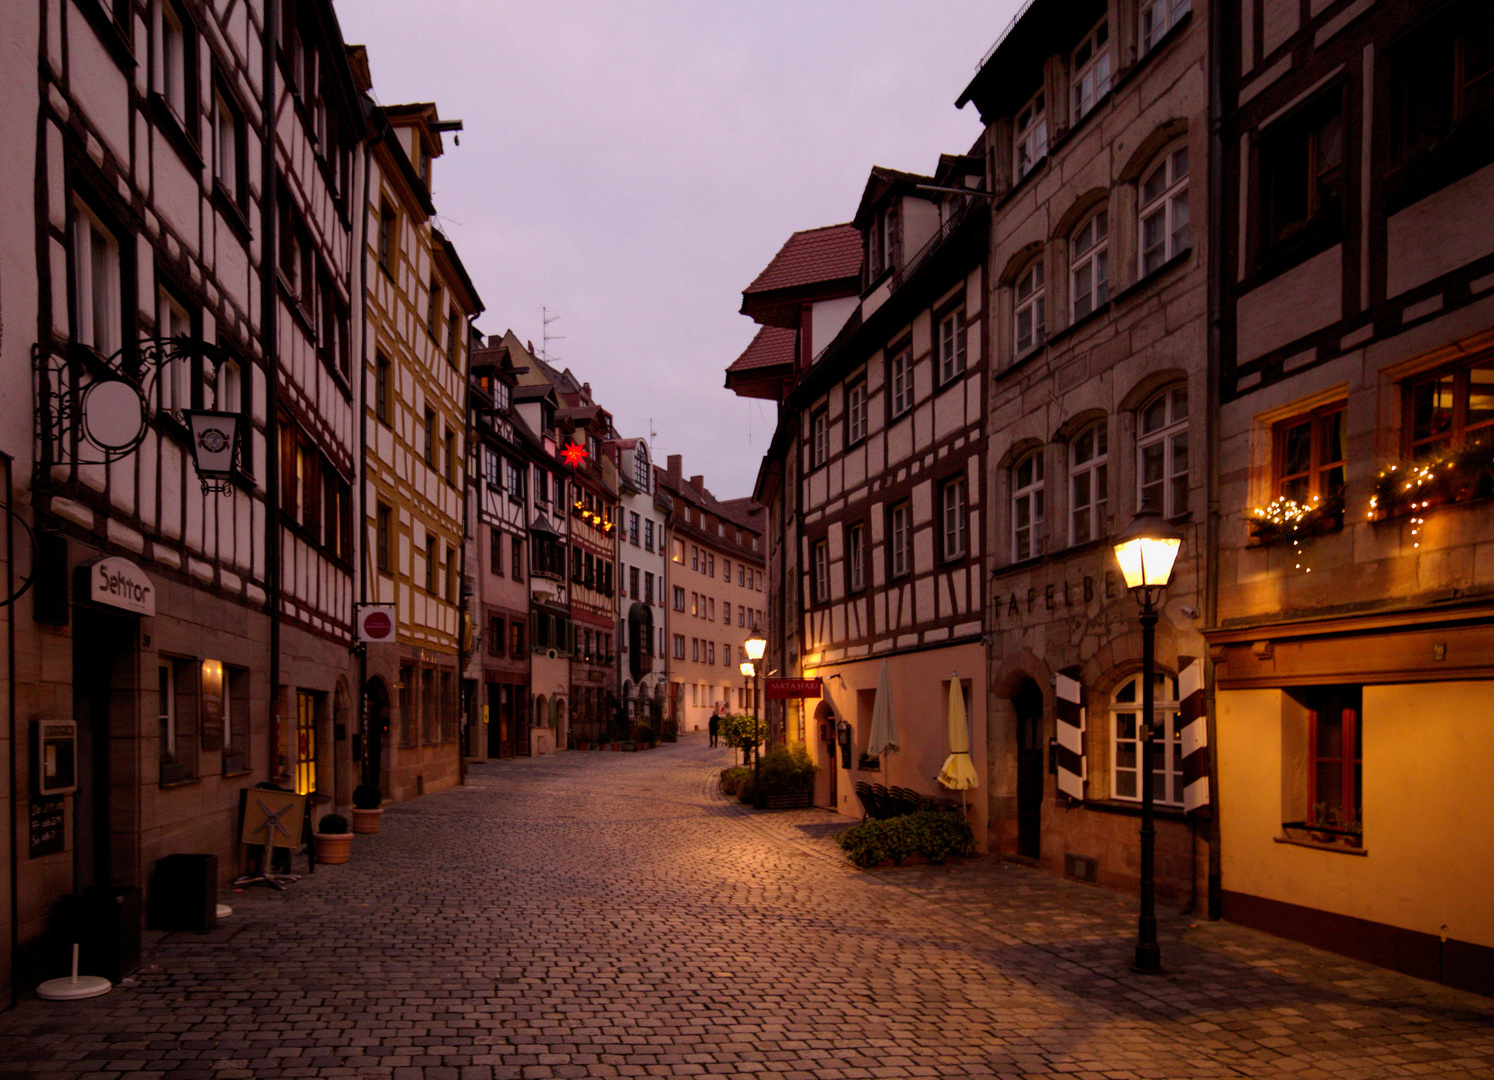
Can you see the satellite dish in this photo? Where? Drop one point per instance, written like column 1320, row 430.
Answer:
column 114, row 415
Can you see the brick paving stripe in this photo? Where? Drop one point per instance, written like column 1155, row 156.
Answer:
column 610, row 914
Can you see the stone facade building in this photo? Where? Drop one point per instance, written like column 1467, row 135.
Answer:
column 1097, row 140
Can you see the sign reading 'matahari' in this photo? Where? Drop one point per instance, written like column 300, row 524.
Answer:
column 779, row 689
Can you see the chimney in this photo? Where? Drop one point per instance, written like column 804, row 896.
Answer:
column 698, row 482
column 676, row 462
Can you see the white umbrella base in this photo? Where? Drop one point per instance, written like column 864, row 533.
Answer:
column 74, row 988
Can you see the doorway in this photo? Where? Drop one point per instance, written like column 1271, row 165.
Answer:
column 103, row 660
column 1028, row 705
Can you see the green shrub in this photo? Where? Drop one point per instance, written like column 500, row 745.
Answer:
column 934, row 834
column 747, row 789
column 787, row 770
column 333, row 825
column 731, row 778
column 367, row 797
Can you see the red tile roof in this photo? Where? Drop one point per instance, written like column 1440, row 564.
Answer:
column 773, row 346
column 810, row 257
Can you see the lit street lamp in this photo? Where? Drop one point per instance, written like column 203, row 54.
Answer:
column 1146, row 552
column 754, row 648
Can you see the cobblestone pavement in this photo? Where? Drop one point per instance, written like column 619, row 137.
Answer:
column 602, row 914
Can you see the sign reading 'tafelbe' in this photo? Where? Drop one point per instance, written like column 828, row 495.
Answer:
column 119, row 583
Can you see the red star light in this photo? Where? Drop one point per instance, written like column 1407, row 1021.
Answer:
column 573, row 454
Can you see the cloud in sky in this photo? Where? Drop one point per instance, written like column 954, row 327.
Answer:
column 631, row 166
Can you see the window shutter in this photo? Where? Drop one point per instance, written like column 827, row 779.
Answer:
column 1194, row 736
column 1073, row 770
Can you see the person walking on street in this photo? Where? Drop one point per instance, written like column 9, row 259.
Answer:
column 715, row 725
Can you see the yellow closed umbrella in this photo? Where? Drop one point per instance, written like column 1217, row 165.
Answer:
column 958, row 773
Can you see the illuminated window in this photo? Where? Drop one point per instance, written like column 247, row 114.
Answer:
column 1167, row 754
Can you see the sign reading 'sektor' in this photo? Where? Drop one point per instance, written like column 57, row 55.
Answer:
column 779, row 689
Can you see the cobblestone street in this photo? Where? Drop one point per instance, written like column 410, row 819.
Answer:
column 607, row 914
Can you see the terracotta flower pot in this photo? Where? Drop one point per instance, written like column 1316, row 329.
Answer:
column 366, row 822
column 332, row 847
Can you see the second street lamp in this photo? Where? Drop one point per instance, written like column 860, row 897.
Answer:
column 755, row 647
column 1146, row 552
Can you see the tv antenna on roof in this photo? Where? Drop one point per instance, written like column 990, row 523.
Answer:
column 546, row 337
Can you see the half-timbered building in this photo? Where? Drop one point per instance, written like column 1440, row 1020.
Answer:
column 1355, row 626
column 642, row 561
column 193, row 170
column 889, row 417
column 418, row 303
column 1096, row 120
column 498, row 529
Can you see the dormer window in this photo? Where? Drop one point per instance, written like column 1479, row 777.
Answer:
column 641, row 469
column 1091, row 69
column 500, row 395
column 1031, row 135
column 882, row 241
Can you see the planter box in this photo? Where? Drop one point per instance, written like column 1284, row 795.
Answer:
column 366, row 822
column 792, row 800
column 332, row 848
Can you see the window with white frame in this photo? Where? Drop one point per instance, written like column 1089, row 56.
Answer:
column 855, row 557
column 641, row 470
column 953, row 519
column 1089, row 265
column 174, row 59
column 1031, row 138
column 228, row 151
column 856, row 412
column 1126, row 731
column 1158, row 17
column 900, row 539
column 1030, row 313
column 1089, row 484
column 1027, row 507
column 96, row 283
column 882, row 241
column 900, row 379
column 951, row 345
column 1091, row 67
column 175, row 376
column 819, row 439
column 1162, row 453
column 1164, row 209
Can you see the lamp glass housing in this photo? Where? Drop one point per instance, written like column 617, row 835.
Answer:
column 1147, row 550
column 755, row 646
column 746, row 668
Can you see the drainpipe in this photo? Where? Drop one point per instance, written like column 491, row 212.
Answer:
column 464, row 712
column 10, row 707
column 360, row 510
column 1211, row 431
column 268, row 289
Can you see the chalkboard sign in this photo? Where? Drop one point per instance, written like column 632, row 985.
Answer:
column 46, row 827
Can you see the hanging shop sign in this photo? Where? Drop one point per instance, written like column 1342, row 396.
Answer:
column 119, row 583
column 376, row 622
column 782, row 689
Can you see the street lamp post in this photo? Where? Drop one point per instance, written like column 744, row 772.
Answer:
column 1146, row 552
column 755, row 647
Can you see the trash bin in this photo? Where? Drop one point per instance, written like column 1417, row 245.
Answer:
column 184, row 893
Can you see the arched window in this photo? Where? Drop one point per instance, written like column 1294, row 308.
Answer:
column 1030, row 315
column 1162, row 453
column 641, row 470
column 1027, row 507
column 1164, row 209
column 1089, row 264
column 1126, row 741
column 1089, row 484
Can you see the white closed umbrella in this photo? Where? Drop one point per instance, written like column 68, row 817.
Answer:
column 883, row 736
column 958, row 773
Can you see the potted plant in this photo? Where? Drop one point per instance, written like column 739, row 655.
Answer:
column 366, row 809
column 333, row 839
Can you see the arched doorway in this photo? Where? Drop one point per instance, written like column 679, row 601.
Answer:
column 375, row 731
column 824, row 723
column 1027, row 703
